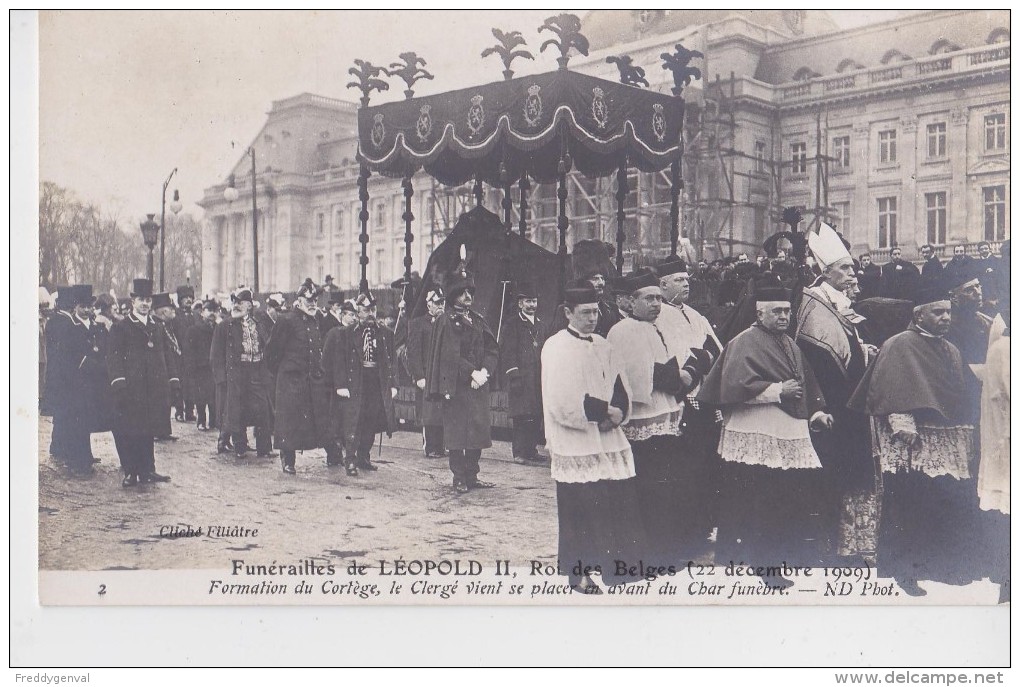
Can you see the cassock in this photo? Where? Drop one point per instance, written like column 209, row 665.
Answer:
column 870, row 281
column 700, row 424
column 596, row 491
column 899, row 279
column 932, row 268
column 666, row 477
column 770, row 484
column 916, row 385
column 827, row 336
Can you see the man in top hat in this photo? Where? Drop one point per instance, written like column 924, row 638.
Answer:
column 294, row 353
column 142, row 372
column 360, row 371
column 181, row 323
column 239, row 349
column 197, row 353
column 770, row 484
column 165, row 314
column 651, row 359
column 464, row 355
column 915, row 391
column 828, row 338
column 73, row 360
column 932, row 267
column 523, row 335
column 990, row 271
column 419, row 343
column 56, row 332
column 699, row 348
column 331, row 318
column 585, row 400
column 899, row 277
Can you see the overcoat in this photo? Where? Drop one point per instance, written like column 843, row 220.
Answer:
column 461, row 344
column 302, row 405
column 419, row 343
column 180, row 326
column 197, row 349
column 138, row 363
column 521, row 361
column 341, row 360
column 77, row 379
column 243, row 406
column 97, row 380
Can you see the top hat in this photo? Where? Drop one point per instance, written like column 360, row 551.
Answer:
column 141, row 288
column 184, row 292
column 526, row 289
column 161, row 300
column 81, row 294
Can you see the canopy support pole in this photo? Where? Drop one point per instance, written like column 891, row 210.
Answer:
column 363, row 217
column 479, row 192
column 676, row 184
column 621, row 198
column 408, row 217
column 524, row 185
column 507, row 202
column 561, row 220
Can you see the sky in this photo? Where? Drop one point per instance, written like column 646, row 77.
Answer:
column 126, row 97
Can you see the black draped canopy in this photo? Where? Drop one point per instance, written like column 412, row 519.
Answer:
column 501, row 131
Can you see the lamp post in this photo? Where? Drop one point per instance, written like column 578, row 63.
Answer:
column 230, row 195
column 175, row 206
column 150, row 234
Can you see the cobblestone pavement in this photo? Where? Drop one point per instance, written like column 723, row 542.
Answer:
column 406, row 509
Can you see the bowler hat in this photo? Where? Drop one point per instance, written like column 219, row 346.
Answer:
column 141, row 288
column 526, row 289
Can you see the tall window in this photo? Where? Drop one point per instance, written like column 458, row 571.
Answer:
column 338, row 219
column 759, row 157
column 995, row 212
column 842, row 217
column 887, row 222
column 380, row 215
column 935, row 205
column 937, row 140
column 995, row 132
column 887, row 146
column 320, row 225
column 798, row 154
column 841, row 151
column 320, row 268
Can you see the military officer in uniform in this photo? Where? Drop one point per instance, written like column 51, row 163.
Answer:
column 523, row 335
column 142, row 373
column 294, row 353
column 463, row 357
column 359, row 366
column 239, row 349
column 419, row 341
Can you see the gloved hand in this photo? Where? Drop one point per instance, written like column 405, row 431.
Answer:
column 479, row 379
column 420, row 384
column 343, row 393
column 393, row 392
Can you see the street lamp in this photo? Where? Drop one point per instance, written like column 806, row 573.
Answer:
column 150, row 235
column 230, row 195
column 176, row 207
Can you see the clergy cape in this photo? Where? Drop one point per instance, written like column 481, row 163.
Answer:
column 752, row 362
column 573, row 369
column 821, row 325
column 691, row 331
column 914, row 373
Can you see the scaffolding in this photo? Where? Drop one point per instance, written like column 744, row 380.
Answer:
column 715, row 202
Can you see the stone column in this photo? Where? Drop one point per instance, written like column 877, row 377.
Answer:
column 862, row 208
column 960, row 213
column 911, row 232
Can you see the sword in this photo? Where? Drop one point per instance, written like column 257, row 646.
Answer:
column 502, row 304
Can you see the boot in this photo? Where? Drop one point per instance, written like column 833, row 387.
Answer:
column 223, row 444
column 287, row 459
